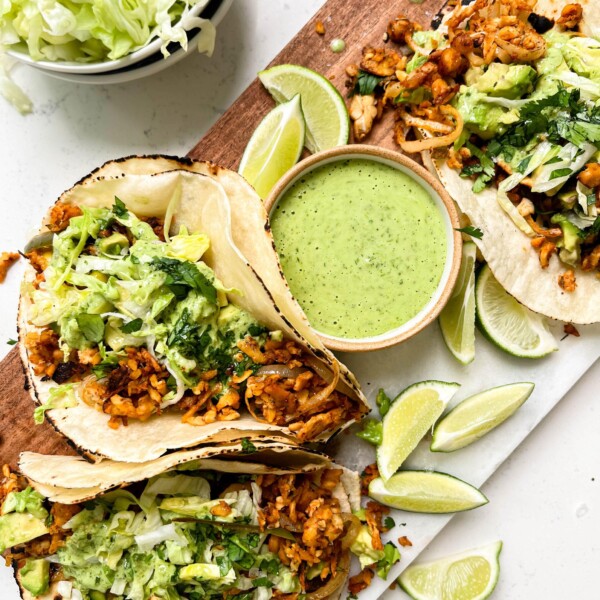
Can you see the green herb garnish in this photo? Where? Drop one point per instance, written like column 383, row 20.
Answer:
column 247, row 446
column 366, row 83
column 185, row 274
column 470, row 230
column 132, row 326
column 119, row 209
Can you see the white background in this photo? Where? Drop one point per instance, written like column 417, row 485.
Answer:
column 544, row 501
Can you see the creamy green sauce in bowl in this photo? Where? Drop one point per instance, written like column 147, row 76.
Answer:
column 364, row 246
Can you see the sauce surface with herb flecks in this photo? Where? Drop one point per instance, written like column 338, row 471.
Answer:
column 362, row 245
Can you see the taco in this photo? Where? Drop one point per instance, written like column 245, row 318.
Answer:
column 154, row 316
column 525, row 168
column 185, row 527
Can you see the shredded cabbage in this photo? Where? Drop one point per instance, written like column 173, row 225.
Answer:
column 94, row 30
column 572, row 158
column 147, row 541
column 9, row 89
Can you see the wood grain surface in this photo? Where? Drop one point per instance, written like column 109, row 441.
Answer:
column 359, row 23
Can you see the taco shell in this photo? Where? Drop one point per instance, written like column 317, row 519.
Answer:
column 220, row 204
column 512, row 259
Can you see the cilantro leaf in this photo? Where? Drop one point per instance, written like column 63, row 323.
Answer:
column 132, row 326
column 119, row 209
column 560, row 173
column 366, row 83
column 11, row 342
column 262, row 582
column 224, row 565
column 389, row 523
column 247, row 446
column 91, row 326
column 185, row 274
column 470, row 230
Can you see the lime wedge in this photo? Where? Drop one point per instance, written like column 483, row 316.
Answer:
column 477, row 415
column 426, row 492
column 411, row 415
column 325, row 112
column 274, row 147
column 507, row 323
column 470, row 575
column 457, row 319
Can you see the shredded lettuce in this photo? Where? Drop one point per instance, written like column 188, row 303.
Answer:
column 28, row 500
column 62, row 396
column 168, row 484
column 569, row 161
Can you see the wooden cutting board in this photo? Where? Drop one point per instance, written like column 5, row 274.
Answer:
column 359, row 23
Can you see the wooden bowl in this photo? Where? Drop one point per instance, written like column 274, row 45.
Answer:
column 449, row 214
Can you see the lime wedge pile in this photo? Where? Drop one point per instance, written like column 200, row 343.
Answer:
column 477, row 415
column 426, row 492
column 325, row 112
column 509, row 324
column 310, row 112
column 471, row 575
column 409, row 418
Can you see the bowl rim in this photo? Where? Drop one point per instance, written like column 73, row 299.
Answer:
column 106, row 66
column 424, row 317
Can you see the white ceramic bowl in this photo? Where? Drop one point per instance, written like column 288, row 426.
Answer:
column 453, row 238
column 141, row 63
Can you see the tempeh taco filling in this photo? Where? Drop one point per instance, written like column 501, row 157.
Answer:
column 187, row 534
column 130, row 320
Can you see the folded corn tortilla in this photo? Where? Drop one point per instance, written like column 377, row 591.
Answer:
column 222, row 205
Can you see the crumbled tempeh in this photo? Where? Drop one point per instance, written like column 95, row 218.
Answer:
column 363, row 110
column 379, row 61
column 567, row 281
column 590, row 176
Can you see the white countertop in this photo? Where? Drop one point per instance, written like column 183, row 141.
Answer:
column 544, row 501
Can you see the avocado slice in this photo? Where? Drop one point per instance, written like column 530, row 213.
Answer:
column 570, row 244
column 18, row 528
column 35, row 576
column 507, row 81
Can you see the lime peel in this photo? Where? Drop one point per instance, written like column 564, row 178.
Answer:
column 275, row 146
column 507, row 323
column 479, row 414
column 470, row 575
column 426, row 492
column 410, row 416
column 457, row 319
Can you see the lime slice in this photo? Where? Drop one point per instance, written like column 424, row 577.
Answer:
column 507, row 323
column 457, row 319
column 274, row 147
column 470, row 575
column 477, row 415
column 426, row 492
column 411, row 415
column 325, row 112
